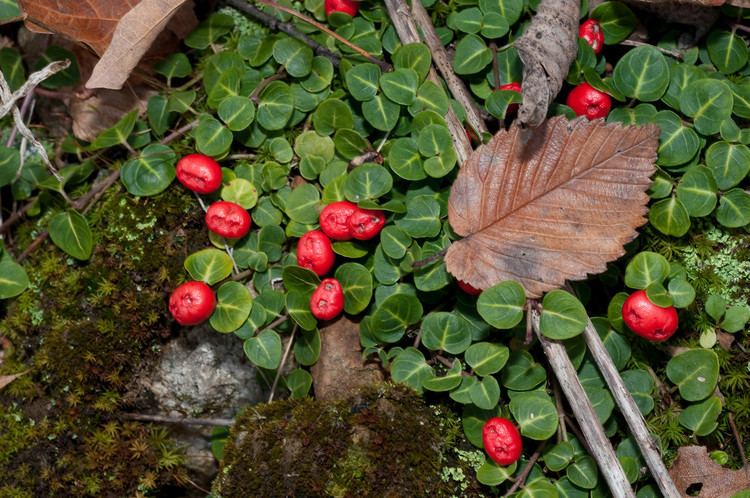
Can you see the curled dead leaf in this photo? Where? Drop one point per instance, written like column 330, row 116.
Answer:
column 693, row 468
column 549, row 204
column 7, row 379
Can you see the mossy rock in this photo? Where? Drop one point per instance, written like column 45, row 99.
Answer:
column 383, row 442
column 82, row 330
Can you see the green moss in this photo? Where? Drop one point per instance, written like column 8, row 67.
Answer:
column 82, row 330
column 383, row 442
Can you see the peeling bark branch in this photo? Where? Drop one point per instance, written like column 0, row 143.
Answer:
column 163, row 419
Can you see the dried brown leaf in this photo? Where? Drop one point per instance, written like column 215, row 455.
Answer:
column 549, row 204
column 693, row 467
column 135, row 33
column 7, row 379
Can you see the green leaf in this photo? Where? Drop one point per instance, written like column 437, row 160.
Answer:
column 65, row 78
column 678, row 144
column 298, row 307
column 210, row 30
column 447, row 382
column 640, row 385
column 350, row 144
column 474, row 418
column 307, row 348
column 11, row 64
column 237, row 112
column 150, row 173
column 393, row 315
column 642, row 73
column 430, row 97
column 734, row 209
column 486, row 358
column 9, row 9
column 695, row 372
column 617, row 346
column 209, row 265
column 697, row 191
column 409, row 367
column 400, row 85
column 381, row 113
column 563, row 315
column 275, row 106
column 211, row 137
column 701, row 418
column 240, row 191
column 264, row 350
column 729, row 163
column 708, row 102
column 301, row 280
column 350, row 249
column 303, row 204
column 233, row 304
column 583, row 472
column 522, row 373
column 158, row 114
column 485, row 393
column 535, row 413
column 616, row 19
column 472, row 55
column 498, row 102
column 511, row 10
column 13, row 279
column 295, row 56
column 682, row 292
column 10, row 164
column 414, row 56
column 356, row 281
column 422, row 218
column 442, row 164
column 368, row 181
column 494, row 25
column 715, row 306
column 502, row 304
column 362, row 81
column 443, row 331
column 176, row 65
column 558, row 456
column 735, row 318
column 395, row 242
column 299, row 382
column 645, row 268
column 433, row 139
column 727, row 51
column 492, row 474
column 670, row 217
column 601, row 401
column 321, row 75
column 681, row 76
column 117, row 134
column 70, row 232
column 404, row 159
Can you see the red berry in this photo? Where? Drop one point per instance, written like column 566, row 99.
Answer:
column 501, row 440
column 468, row 288
column 327, row 301
column 346, row 6
column 228, row 219
column 365, row 224
column 648, row 320
column 591, row 31
column 334, row 220
column 192, row 303
column 199, row 173
column 586, row 100
column 515, row 87
column 314, row 251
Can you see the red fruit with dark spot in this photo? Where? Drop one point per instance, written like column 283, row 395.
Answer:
column 468, row 288
column 648, row 320
column 334, row 220
column 314, row 251
column 327, row 301
column 585, row 100
column 199, row 173
column 591, row 31
column 501, row 440
column 228, row 219
column 346, row 6
column 513, row 86
column 192, row 303
column 365, row 224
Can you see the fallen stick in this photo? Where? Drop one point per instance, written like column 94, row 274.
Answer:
column 592, row 429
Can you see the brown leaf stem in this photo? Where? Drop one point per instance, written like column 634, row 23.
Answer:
column 429, row 259
column 635, row 43
column 526, row 470
column 279, row 74
column 281, row 365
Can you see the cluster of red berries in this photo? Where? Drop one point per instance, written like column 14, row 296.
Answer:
column 340, row 220
column 584, row 99
column 193, row 302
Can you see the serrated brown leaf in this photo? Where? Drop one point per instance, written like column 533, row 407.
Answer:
column 549, row 204
column 694, row 467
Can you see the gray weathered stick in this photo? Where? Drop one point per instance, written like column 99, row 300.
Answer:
column 599, row 444
column 630, row 412
column 443, row 64
column 407, row 32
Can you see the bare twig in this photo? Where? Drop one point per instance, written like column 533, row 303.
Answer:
column 429, row 259
column 526, row 470
column 599, row 444
column 163, row 419
column 635, row 43
column 274, row 324
column 280, row 73
column 408, row 33
column 562, row 428
column 281, row 365
column 737, row 438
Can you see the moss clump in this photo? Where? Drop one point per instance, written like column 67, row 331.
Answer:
column 383, row 442
column 82, row 330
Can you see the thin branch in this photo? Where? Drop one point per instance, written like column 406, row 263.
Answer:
column 562, row 428
column 634, row 43
column 429, row 259
column 281, row 365
column 279, row 74
column 163, row 419
column 526, row 470
column 274, row 324
column 737, row 438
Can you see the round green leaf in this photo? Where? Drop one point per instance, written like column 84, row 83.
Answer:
column 414, row 56
column 695, row 372
column 443, row 331
column 309, row 143
column 298, row 307
column 642, row 73
column 393, row 315
column 473, row 418
column 209, row 265
column 350, row 144
column 10, row 162
column 362, row 81
column 409, row 367
column 583, row 472
column 447, row 382
column 264, row 350
column 682, row 292
column 616, row 19
column 430, row 97
column 563, row 315
column 681, row 76
column 442, row 164
column 502, row 304
column 697, row 191
column 708, row 102
column 678, row 144
column 381, row 112
column 233, row 304
column 511, row 10
column 640, row 385
column 400, row 85
column 368, row 181
column 729, row 163
column 727, row 51
column 558, row 456
column 670, row 217
column 395, row 242
column 211, row 137
column 356, row 280
column 298, row 279
column 70, row 232
column 494, row 25
column 151, row 173
column 701, row 418
column 332, row 115
column 522, row 373
column 434, row 139
column 13, row 279
column 617, row 346
column 307, row 347
column 275, row 106
column 492, row 474
column 320, row 76
column 303, row 203
column 295, row 56
column 237, row 112
column 485, row 393
column 646, row 268
column 466, row 20
column 240, row 191
column 535, row 413
column 734, row 209
column 486, row 358
column 299, row 382
column 472, row 55
column 422, row 218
